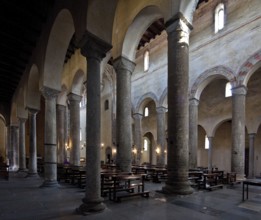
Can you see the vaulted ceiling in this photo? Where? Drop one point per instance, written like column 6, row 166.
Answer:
column 21, row 23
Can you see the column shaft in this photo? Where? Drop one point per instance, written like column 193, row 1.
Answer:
column 251, row 173
column 137, row 135
column 178, row 70
column 238, row 131
column 14, row 148
column 60, row 109
column 124, row 69
column 33, row 146
column 193, row 132
column 161, row 135
column 22, row 154
column 75, row 128
column 50, row 142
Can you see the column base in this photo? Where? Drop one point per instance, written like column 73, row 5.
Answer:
column 22, row 170
column 32, row 175
column 89, row 207
column 241, row 177
column 50, row 184
column 179, row 188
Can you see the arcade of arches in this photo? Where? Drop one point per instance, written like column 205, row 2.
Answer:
column 117, row 100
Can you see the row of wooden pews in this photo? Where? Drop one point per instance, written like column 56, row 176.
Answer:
column 114, row 183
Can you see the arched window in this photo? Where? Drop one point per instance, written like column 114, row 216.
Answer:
column 146, row 112
column 219, row 17
column 206, row 142
column 145, row 145
column 228, row 91
column 146, row 60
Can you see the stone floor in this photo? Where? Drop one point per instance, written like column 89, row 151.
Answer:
column 21, row 198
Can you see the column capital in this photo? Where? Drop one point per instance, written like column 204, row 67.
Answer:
column 32, row 110
column 137, row 116
column 60, row 107
column 93, row 47
column 239, row 90
column 22, row 120
column 49, row 93
column 161, row 109
column 194, row 101
column 252, row 135
column 122, row 63
column 74, row 97
column 178, row 23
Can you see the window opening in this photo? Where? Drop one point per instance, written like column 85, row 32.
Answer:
column 206, row 142
column 228, row 91
column 146, row 112
column 219, row 17
column 146, row 60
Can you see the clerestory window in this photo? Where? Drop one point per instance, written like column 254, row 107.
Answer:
column 146, row 60
column 219, row 17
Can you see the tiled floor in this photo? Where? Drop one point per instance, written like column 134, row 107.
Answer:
column 21, row 198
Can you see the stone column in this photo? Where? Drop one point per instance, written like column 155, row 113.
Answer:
column 178, row 29
column 50, row 142
column 22, row 154
column 32, row 172
column 124, row 69
column 210, row 140
column 251, row 172
column 13, row 153
column 238, row 131
column 193, row 132
column 137, row 135
column 60, row 111
column 95, row 50
column 161, row 135
column 75, row 128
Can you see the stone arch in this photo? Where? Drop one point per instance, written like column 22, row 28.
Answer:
column 100, row 24
column 60, row 35
column 33, row 95
column 3, row 119
column 163, row 101
column 138, row 108
column 77, row 82
column 135, row 31
column 210, row 75
column 21, row 104
column 248, row 68
column 217, row 125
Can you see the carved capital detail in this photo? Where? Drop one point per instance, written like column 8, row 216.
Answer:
column 73, row 97
column 240, row 90
column 137, row 116
column 161, row 110
column 93, row 47
column 194, row 102
column 122, row 63
column 22, row 120
column 49, row 93
column 179, row 25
